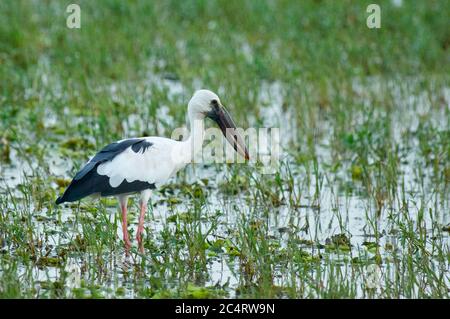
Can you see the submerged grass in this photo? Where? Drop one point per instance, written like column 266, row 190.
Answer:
column 358, row 207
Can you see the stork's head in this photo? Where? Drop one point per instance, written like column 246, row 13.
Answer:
column 205, row 103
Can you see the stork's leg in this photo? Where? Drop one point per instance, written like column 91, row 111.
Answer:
column 123, row 206
column 140, row 229
column 145, row 195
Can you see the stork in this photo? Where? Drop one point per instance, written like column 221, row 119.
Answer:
column 139, row 165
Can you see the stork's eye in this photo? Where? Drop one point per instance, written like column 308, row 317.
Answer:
column 214, row 102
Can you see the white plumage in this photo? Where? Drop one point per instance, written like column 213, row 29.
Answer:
column 155, row 165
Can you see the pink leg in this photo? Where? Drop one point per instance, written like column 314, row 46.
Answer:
column 126, row 239
column 140, row 229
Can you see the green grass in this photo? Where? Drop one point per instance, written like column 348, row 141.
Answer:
column 364, row 175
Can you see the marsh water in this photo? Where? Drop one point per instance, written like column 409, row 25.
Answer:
column 320, row 207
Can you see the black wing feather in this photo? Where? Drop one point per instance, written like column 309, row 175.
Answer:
column 109, row 152
column 87, row 182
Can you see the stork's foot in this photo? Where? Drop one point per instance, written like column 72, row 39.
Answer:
column 127, row 244
column 140, row 244
column 126, row 238
column 139, row 240
column 140, row 229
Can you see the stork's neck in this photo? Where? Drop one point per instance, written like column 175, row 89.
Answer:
column 194, row 143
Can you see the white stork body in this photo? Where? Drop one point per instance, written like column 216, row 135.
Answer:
column 139, row 165
column 155, row 165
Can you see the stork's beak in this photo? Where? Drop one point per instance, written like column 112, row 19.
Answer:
column 220, row 115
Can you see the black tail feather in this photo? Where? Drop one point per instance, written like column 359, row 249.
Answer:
column 78, row 189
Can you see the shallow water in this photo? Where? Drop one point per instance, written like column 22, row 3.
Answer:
column 330, row 211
